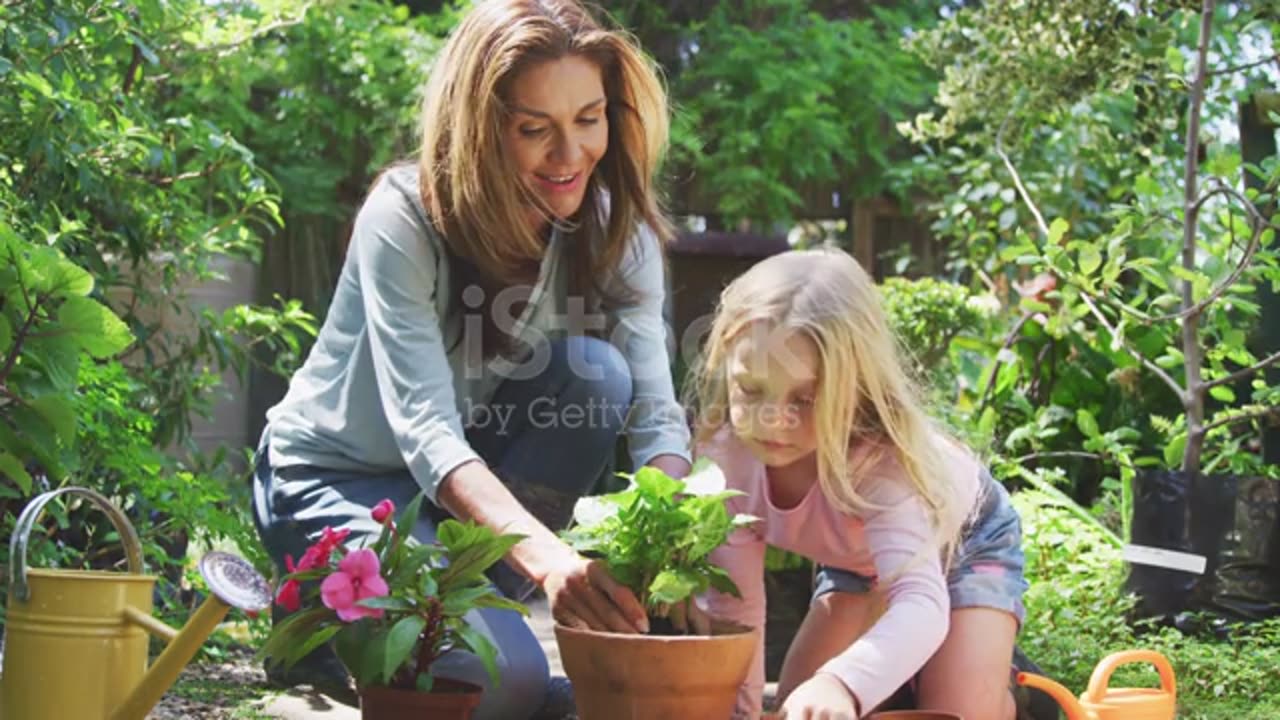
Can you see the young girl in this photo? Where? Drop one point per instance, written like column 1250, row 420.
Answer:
column 803, row 402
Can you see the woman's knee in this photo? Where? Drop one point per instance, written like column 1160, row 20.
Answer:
column 597, row 370
column 522, row 667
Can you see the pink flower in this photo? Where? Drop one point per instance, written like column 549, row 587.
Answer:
column 356, row 579
column 383, row 511
column 318, row 554
column 290, row 596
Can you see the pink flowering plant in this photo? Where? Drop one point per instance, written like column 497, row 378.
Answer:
column 392, row 608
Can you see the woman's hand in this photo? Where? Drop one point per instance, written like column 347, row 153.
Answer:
column 673, row 465
column 583, row 595
column 821, row 697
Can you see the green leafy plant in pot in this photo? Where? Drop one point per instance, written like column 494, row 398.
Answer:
column 656, row 537
column 392, row 609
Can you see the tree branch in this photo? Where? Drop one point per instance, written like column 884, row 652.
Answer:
column 18, row 339
column 1192, row 352
column 192, row 175
column 1273, row 412
column 1084, row 296
column 1058, row 454
column 224, row 49
column 1009, row 340
column 1242, row 374
column 1223, row 287
column 131, row 75
column 1017, row 178
column 1237, row 68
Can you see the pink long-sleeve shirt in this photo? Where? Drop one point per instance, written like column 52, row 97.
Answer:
column 895, row 541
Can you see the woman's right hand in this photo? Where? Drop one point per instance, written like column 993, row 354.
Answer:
column 583, row 595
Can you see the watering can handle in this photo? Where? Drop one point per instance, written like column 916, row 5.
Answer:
column 27, row 520
column 1102, row 674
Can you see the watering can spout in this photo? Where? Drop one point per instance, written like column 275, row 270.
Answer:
column 1060, row 694
column 232, row 583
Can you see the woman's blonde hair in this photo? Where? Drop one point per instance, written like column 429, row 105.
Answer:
column 468, row 183
column 864, row 394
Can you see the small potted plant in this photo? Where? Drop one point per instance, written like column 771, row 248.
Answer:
column 655, row 537
column 392, row 609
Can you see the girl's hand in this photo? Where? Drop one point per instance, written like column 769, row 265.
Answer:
column 583, row 595
column 821, row 697
column 687, row 617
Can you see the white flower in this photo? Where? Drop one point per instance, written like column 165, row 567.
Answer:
column 706, row 478
column 592, row 510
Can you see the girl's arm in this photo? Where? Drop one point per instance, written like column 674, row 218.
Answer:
column 657, row 432
column 743, row 558
column 906, row 557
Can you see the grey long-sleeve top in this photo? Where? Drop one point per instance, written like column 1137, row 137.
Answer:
column 388, row 381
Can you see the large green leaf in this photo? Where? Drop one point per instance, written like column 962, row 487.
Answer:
column 673, row 586
column 349, row 645
column 6, row 336
column 374, row 657
column 657, row 484
column 318, row 638
column 12, row 468
column 401, row 641
column 94, row 327
column 483, row 649
column 59, row 411
column 58, row 359
column 63, row 277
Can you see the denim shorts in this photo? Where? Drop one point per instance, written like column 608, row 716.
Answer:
column 987, row 569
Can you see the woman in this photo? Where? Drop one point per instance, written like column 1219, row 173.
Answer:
column 496, row 325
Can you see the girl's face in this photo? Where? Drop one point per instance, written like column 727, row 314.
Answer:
column 773, row 378
column 557, row 131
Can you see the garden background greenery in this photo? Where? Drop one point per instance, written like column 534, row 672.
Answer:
column 1107, row 300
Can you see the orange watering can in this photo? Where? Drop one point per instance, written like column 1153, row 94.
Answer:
column 1100, row 702
column 75, row 642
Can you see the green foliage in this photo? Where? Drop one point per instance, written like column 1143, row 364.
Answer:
column 1088, row 104
column 421, row 616
column 117, row 193
column 47, row 322
column 656, row 535
column 774, row 98
column 1076, row 615
column 927, row 315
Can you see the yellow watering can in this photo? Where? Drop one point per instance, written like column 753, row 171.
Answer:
column 1100, row 702
column 75, row 643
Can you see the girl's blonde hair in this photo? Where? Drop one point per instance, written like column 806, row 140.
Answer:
column 864, row 394
column 468, row 183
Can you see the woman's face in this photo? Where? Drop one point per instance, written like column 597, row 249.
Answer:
column 558, row 131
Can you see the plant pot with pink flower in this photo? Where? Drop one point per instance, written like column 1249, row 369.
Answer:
column 392, row 608
column 655, row 538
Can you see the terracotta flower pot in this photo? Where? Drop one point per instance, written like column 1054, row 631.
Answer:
column 644, row 677
column 449, row 700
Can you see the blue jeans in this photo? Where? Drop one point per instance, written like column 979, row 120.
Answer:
column 548, row 439
column 987, row 569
